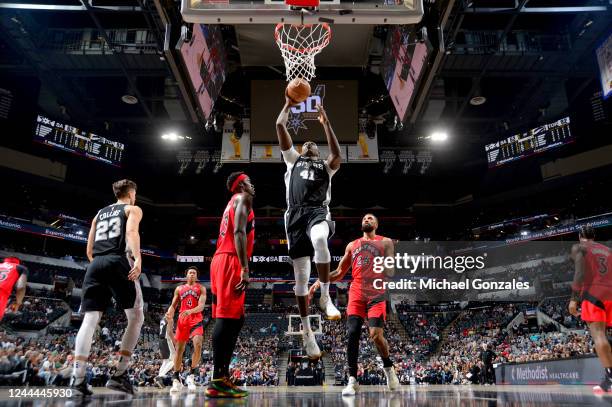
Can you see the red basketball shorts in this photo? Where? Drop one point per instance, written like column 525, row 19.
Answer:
column 224, row 276
column 365, row 307
column 187, row 328
column 595, row 313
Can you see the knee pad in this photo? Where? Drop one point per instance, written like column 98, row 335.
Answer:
column 318, row 237
column 301, row 271
column 91, row 318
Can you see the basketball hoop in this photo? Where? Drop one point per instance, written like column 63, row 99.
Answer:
column 298, row 45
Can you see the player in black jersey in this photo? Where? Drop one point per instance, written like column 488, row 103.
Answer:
column 113, row 249
column 308, row 220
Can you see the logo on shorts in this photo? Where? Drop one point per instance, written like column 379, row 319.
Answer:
column 307, row 110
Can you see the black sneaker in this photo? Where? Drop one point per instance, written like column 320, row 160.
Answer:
column 121, row 383
column 604, row 387
column 81, row 389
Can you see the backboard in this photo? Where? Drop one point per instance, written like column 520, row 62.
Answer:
column 295, row 325
column 371, row 12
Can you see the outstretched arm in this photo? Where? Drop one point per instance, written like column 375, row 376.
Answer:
column 334, row 159
column 284, row 139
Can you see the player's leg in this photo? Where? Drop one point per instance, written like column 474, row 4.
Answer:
column 82, row 347
column 300, row 250
column 168, row 353
column 604, row 353
column 229, row 319
column 120, row 380
column 354, row 324
column 319, row 234
column 95, row 298
column 377, row 314
column 196, row 340
column 178, row 359
column 301, row 271
column 129, row 297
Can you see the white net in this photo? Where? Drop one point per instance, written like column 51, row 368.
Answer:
column 299, row 44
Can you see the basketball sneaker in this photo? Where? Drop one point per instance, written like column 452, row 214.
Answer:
column 310, row 343
column 191, row 385
column 224, row 388
column 81, row 390
column 177, row 386
column 392, row 380
column 328, row 307
column 605, row 387
column 351, row 388
column 121, row 383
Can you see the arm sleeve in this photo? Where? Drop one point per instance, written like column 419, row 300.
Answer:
column 290, row 156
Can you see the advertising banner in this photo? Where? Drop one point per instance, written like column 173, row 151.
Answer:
column 567, row 371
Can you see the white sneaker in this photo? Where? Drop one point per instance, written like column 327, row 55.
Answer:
column 328, row 307
column 392, row 380
column 351, row 388
column 191, row 385
column 310, row 343
column 177, row 386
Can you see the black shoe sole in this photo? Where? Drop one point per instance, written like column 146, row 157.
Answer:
column 118, row 387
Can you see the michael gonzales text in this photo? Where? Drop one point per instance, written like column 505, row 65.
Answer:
column 444, row 284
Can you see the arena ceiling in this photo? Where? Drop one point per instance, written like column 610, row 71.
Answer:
column 531, row 59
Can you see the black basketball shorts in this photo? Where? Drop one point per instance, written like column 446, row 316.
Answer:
column 107, row 278
column 298, row 222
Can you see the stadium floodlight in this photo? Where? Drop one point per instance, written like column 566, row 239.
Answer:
column 439, row 136
column 174, row 137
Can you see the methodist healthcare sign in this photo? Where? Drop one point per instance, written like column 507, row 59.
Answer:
column 567, row 371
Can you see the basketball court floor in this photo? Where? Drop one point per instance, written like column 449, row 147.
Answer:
column 443, row 395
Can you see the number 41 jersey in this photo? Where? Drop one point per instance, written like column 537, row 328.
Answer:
column 308, row 182
column 110, row 231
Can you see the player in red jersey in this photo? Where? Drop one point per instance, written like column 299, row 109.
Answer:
column 229, row 279
column 366, row 298
column 593, row 284
column 192, row 296
column 12, row 274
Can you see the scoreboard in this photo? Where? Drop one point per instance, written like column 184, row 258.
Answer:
column 69, row 138
column 534, row 141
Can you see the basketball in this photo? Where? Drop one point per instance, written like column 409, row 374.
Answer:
column 298, row 90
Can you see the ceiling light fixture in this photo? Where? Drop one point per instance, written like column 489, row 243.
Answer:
column 129, row 99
